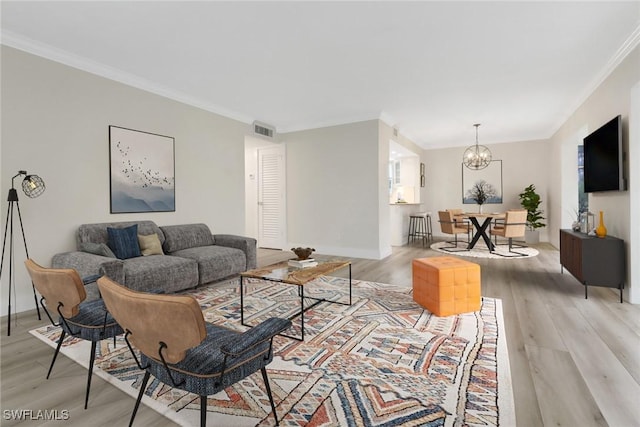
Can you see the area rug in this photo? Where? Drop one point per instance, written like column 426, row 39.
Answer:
column 383, row 361
column 480, row 250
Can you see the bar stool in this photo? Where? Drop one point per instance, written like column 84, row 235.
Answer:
column 420, row 227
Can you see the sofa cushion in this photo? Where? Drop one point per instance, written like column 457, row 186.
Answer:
column 150, row 244
column 179, row 237
column 169, row 273
column 97, row 249
column 124, row 241
column 97, row 232
column 215, row 262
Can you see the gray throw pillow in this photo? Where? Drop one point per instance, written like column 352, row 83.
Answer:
column 97, row 249
column 185, row 236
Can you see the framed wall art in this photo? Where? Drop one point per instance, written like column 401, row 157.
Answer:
column 491, row 175
column 142, row 171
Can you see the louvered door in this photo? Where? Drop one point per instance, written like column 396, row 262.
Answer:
column 271, row 197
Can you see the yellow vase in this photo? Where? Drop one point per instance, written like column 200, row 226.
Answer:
column 601, row 230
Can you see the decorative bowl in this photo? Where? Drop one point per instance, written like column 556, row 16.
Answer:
column 302, row 253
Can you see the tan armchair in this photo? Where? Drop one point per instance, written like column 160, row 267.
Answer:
column 451, row 225
column 457, row 215
column 512, row 226
column 180, row 349
column 63, row 294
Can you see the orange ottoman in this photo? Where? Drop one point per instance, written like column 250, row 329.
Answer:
column 446, row 285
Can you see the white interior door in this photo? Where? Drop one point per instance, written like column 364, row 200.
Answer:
column 271, row 197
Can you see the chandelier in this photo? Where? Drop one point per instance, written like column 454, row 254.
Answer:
column 476, row 157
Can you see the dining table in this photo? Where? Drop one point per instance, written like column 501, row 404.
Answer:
column 481, row 227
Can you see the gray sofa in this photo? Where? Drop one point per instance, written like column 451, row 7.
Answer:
column 192, row 256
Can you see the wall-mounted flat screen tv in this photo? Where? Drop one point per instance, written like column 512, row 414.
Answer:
column 603, row 158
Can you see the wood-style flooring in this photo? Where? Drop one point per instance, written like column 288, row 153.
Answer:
column 574, row 361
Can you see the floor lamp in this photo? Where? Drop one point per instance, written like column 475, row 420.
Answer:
column 33, row 186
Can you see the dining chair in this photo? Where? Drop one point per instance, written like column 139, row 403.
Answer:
column 451, row 225
column 63, row 292
column 180, row 349
column 457, row 214
column 513, row 225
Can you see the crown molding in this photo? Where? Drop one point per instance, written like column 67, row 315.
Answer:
column 64, row 57
column 328, row 123
column 623, row 51
column 387, row 119
column 17, row 41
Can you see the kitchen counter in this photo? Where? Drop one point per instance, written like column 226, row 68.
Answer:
column 399, row 221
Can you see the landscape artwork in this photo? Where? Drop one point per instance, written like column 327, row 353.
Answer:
column 142, row 171
column 491, row 175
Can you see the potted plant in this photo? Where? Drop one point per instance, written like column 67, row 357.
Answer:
column 530, row 200
column 480, row 192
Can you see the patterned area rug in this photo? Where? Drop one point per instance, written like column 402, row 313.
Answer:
column 381, row 361
column 481, row 251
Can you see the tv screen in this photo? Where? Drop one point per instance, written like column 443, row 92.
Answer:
column 603, row 158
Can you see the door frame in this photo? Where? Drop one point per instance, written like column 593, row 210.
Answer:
column 252, row 144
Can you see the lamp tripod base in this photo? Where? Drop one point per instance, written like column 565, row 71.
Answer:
column 8, row 232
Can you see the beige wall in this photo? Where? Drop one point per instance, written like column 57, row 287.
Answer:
column 523, row 163
column 333, row 194
column 385, row 133
column 611, row 98
column 55, row 123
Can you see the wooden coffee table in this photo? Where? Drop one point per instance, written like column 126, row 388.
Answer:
column 283, row 273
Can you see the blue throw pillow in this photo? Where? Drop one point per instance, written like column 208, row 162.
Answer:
column 124, row 241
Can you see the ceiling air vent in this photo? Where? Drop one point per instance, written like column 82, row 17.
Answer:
column 264, row 130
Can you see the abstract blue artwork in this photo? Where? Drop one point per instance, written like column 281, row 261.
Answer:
column 142, row 171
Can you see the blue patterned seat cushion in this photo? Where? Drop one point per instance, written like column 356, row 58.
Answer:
column 89, row 323
column 201, row 367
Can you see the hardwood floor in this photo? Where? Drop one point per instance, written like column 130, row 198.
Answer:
column 574, row 362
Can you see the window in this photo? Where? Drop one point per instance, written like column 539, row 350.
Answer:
column 583, row 199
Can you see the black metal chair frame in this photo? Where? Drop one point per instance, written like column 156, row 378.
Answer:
column 510, row 241
column 203, row 399
column 455, row 248
column 62, row 337
column 420, row 227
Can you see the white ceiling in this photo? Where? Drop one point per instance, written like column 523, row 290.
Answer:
column 432, row 69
